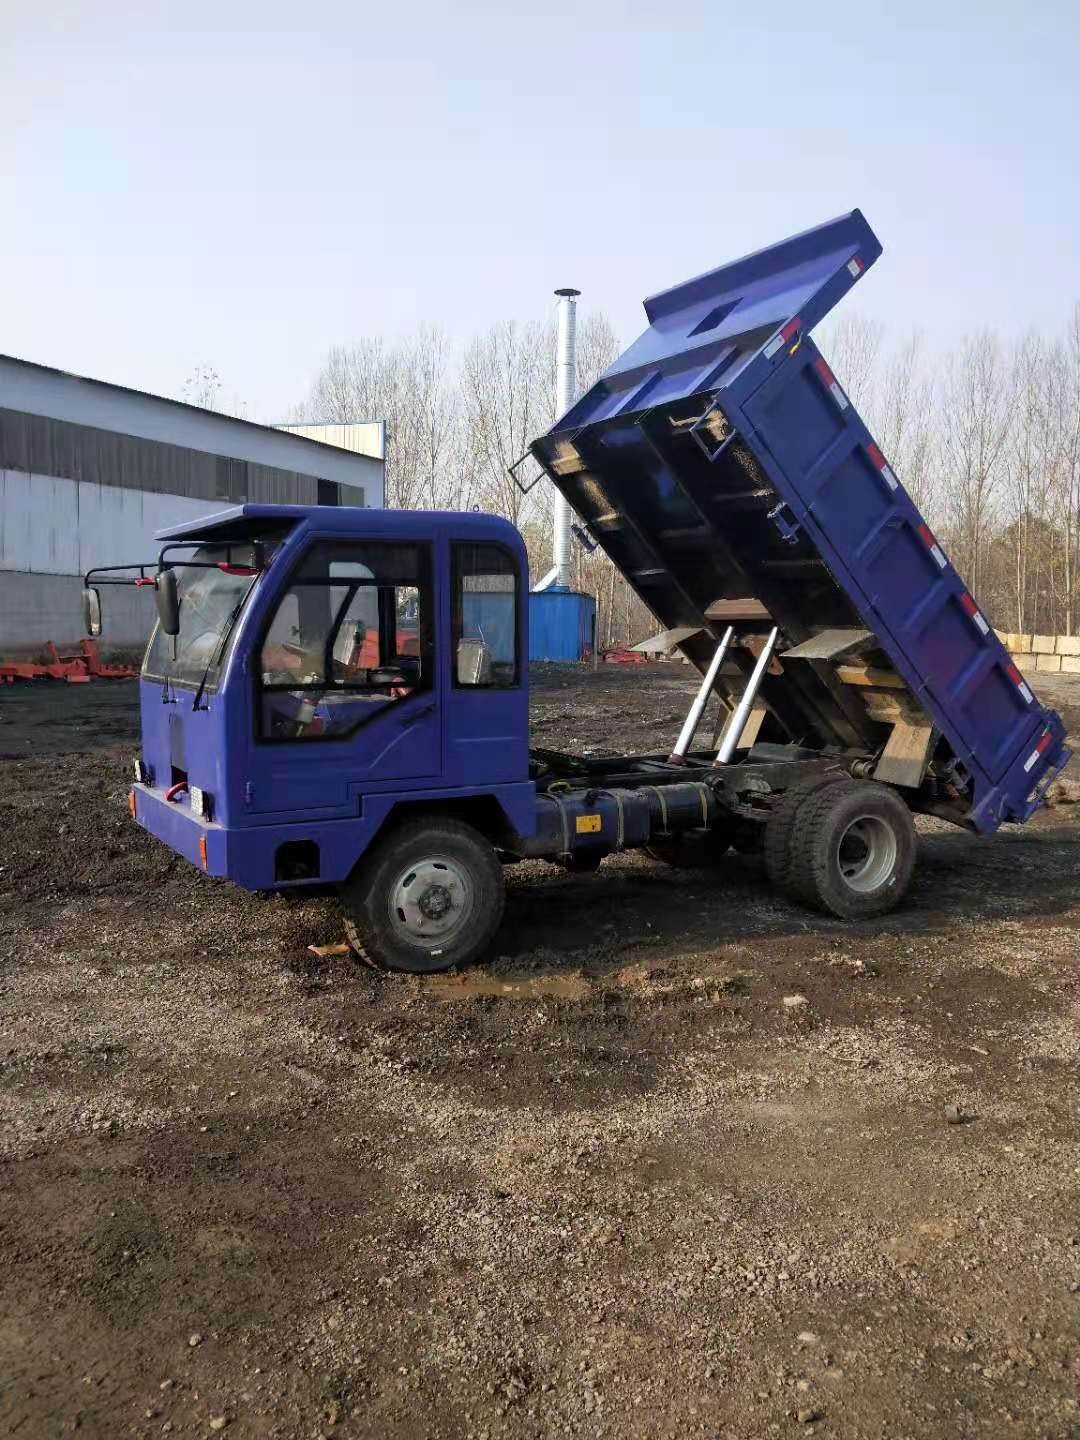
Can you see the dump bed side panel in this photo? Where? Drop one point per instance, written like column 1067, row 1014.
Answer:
column 840, row 487
column 720, row 457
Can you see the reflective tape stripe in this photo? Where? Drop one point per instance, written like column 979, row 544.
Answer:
column 1044, row 744
column 831, row 383
column 1018, row 680
column 782, row 337
column 931, row 544
column 972, row 610
column 855, row 267
column 877, row 459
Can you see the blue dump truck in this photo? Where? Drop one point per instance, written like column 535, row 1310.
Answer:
column 340, row 696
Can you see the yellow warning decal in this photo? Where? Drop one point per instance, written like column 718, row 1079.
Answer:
column 587, row 824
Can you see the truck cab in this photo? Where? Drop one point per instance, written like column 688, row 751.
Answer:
column 331, row 666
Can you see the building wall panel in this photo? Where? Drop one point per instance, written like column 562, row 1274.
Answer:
column 53, row 526
column 40, row 445
column 35, row 609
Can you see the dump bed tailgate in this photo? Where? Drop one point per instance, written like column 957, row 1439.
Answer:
column 719, row 460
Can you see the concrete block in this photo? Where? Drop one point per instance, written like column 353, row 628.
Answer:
column 1005, row 638
column 1048, row 662
column 1043, row 644
column 1070, row 664
column 1019, row 659
column 1068, row 644
column 1021, row 644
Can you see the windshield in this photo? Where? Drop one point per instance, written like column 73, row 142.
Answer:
column 210, row 601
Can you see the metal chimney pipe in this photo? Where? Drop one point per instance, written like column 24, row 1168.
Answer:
column 565, row 393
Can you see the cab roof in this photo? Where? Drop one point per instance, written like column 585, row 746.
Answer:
column 238, row 521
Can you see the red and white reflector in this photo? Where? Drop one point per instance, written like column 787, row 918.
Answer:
column 971, row 610
column 1040, row 749
column 855, row 267
column 926, row 535
column 829, row 380
column 1018, row 680
column 790, row 330
column 877, row 459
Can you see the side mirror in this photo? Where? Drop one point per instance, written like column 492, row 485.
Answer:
column 168, row 602
column 91, row 612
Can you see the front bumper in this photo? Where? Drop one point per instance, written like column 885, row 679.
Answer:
column 200, row 841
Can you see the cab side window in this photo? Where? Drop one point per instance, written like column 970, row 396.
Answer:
column 485, row 616
column 350, row 637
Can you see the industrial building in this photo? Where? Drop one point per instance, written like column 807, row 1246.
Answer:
column 363, row 437
column 89, row 471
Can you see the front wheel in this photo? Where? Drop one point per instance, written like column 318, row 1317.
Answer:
column 429, row 896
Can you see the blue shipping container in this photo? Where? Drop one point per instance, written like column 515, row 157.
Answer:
column 561, row 625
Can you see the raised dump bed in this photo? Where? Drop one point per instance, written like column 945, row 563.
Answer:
column 723, row 467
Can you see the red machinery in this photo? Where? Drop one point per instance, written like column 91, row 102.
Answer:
column 77, row 669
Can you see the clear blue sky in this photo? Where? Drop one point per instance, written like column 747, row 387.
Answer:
column 243, row 183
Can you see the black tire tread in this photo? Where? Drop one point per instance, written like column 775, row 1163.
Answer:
column 808, row 874
column 780, row 826
column 364, row 935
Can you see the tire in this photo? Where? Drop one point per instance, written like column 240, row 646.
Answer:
column 395, row 925
column 853, row 850
column 780, row 825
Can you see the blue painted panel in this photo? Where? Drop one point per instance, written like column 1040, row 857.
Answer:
column 561, row 624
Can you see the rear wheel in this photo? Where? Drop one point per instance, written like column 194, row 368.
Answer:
column 853, row 850
column 429, row 897
column 780, row 826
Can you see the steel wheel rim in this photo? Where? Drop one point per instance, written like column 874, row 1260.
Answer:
column 431, row 902
column 866, row 854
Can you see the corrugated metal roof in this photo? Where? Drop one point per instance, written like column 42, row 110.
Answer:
column 60, row 395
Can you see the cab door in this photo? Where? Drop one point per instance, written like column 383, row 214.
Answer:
column 487, row 701
column 345, row 682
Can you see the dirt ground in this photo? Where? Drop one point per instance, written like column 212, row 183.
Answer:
column 608, row 1185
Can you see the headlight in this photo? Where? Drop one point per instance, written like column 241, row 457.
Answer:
column 200, row 802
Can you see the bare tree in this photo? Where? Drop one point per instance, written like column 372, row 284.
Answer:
column 1066, row 408
column 905, row 419
column 1020, row 459
column 987, row 442
column 976, row 403
column 852, row 346
column 203, row 388
column 507, row 399
column 407, row 385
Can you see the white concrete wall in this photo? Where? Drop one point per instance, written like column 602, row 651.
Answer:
column 50, row 526
column 37, row 608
